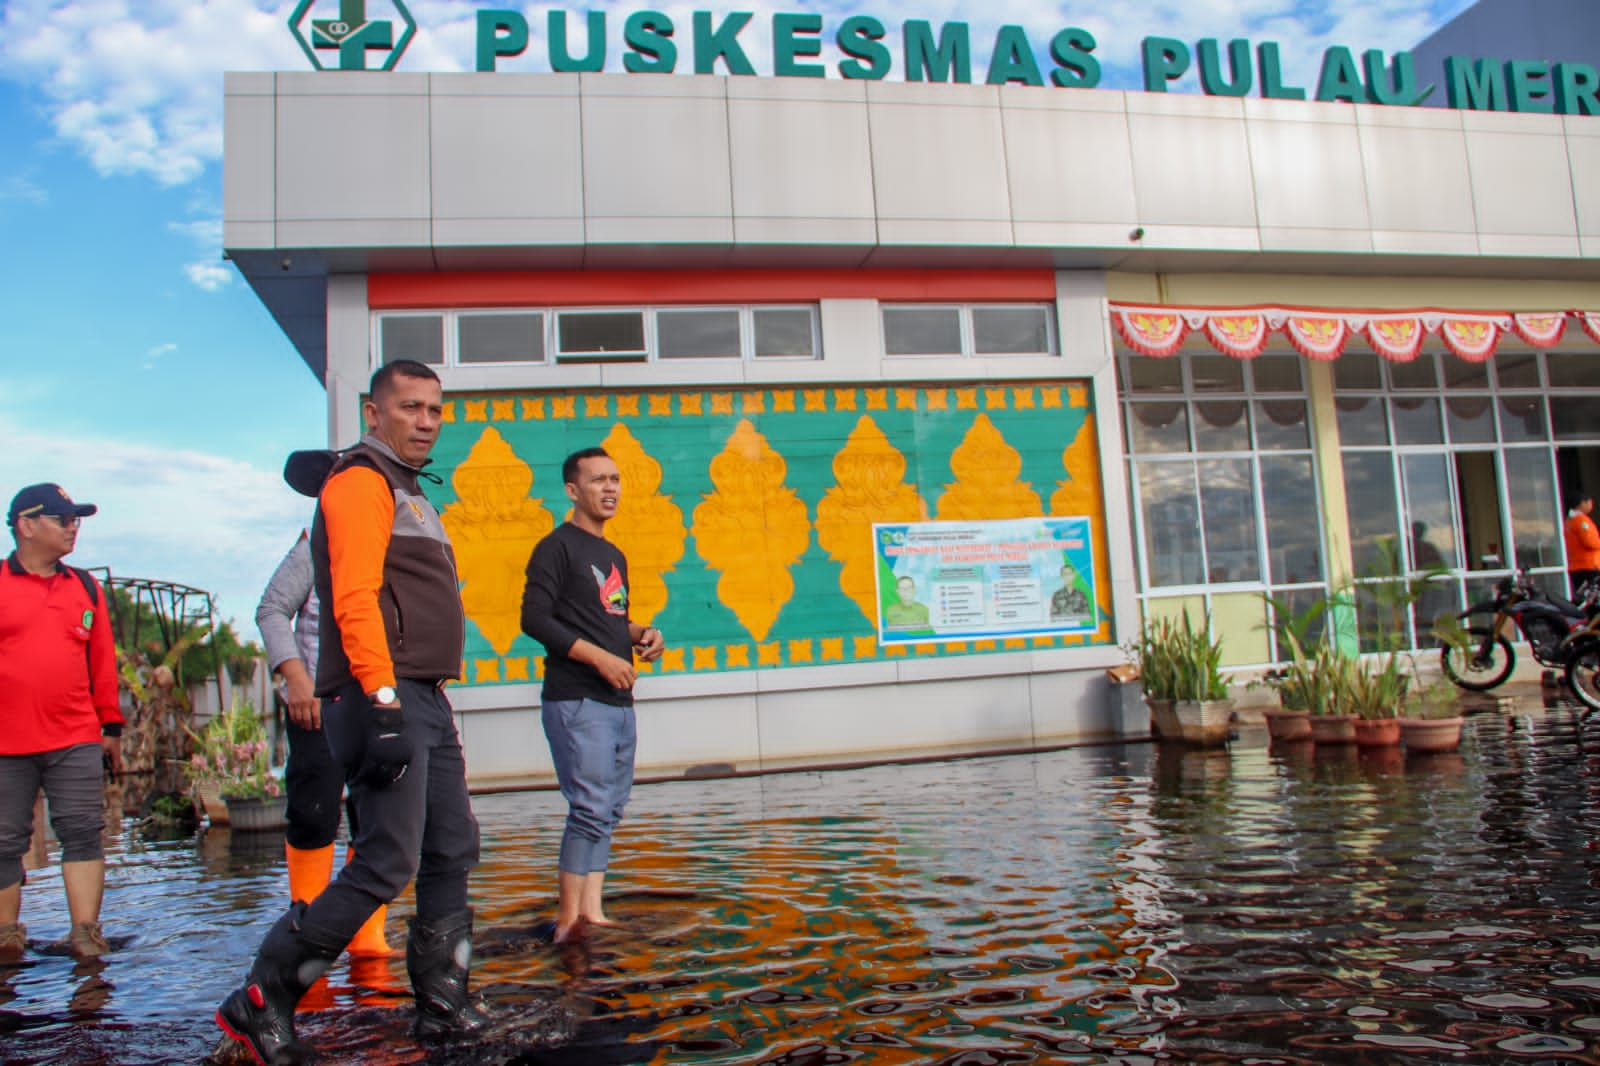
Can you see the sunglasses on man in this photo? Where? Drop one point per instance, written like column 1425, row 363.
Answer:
column 65, row 521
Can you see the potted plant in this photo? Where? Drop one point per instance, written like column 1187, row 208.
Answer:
column 1183, row 682
column 1432, row 722
column 1376, row 690
column 231, row 759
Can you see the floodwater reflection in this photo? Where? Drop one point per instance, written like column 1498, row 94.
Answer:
column 1115, row 904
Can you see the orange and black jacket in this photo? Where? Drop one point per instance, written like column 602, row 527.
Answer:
column 385, row 574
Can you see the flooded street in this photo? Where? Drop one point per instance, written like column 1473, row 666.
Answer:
column 1122, row 904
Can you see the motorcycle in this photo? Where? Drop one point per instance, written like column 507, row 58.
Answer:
column 1548, row 623
column 1582, row 652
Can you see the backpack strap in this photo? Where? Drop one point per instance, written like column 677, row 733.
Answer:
column 91, row 588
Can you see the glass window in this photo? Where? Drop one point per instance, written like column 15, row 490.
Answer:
column 1277, row 373
column 1158, row 427
column 1460, row 374
column 1216, row 373
column 1535, row 522
column 1145, row 374
column 697, row 334
column 1011, row 330
column 1358, row 370
column 1483, row 535
column 1471, row 419
column 419, row 337
column 1171, row 515
column 1281, row 425
column 507, row 338
column 1420, row 373
column 1522, row 419
column 1228, row 508
column 1575, row 417
column 922, row 330
column 1362, row 420
column 786, row 331
column 1289, row 495
column 601, row 334
column 1573, row 370
column 1369, row 505
column 1416, row 420
column 1221, row 426
column 1517, row 370
column 1432, row 538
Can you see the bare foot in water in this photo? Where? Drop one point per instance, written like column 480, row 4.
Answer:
column 572, row 933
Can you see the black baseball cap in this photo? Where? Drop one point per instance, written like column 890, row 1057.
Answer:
column 43, row 499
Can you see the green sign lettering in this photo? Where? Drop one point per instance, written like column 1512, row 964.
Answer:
column 951, row 56
column 720, row 42
column 858, row 39
column 648, row 35
column 1165, row 59
column 1577, row 89
column 500, row 33
column 786, row 46
column 1078, row 68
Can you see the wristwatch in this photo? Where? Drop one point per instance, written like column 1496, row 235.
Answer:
column 385, row 694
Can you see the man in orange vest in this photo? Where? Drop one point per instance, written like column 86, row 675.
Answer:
column 1583, row 542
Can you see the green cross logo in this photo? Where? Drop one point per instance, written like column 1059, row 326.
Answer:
column 352, row 35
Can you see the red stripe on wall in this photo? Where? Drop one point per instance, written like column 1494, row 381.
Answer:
column 403, row 292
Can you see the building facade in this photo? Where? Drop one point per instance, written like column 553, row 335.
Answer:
column 1245, row 345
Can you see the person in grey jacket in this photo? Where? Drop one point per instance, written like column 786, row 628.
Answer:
column 287, row 617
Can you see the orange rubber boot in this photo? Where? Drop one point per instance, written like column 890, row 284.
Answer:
column 310, row 870
column 369, row 941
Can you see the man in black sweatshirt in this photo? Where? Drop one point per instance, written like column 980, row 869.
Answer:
column 575, row 603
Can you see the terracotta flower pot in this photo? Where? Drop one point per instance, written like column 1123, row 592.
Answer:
column 1430, row 734
column 1333, row 728
column 1287, row 725
column 1377, row 732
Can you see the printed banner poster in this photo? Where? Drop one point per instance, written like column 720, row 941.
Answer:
column 959, row 581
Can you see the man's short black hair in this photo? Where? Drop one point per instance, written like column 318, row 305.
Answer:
column 1575, row 500
column 569, row 469
column 400, row 368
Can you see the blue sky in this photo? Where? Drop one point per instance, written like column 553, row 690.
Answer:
column 143, row 375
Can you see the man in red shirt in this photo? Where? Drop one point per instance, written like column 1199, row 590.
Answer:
column 59, row 722
column 1583, row 541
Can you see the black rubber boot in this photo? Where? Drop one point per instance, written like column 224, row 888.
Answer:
column 438, row 958
column 261, row 1014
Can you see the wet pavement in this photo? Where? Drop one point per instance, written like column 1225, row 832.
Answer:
column 1129, row 904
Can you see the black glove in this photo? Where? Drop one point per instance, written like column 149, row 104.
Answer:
column 389, row 747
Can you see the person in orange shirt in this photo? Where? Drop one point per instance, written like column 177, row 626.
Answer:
column 1583, row 542
column 392, row 629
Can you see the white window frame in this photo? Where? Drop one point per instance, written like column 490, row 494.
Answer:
column 651, row 351
column 968, row 332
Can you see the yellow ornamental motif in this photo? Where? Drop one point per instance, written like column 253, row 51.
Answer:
column 869, row 487
column 493, row 526
column 648, row 526
column 1080, row 495
column 986, row 484
column 751, row 530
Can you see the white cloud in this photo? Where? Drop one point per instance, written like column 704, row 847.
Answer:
column 17, row 189
column 190, row 517
column 136, row 85
column 209, row 275
column 157, row 352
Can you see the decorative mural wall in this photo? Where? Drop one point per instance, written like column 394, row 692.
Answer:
column 747, row 513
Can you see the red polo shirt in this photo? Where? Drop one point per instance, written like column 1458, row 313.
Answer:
column 58, row 666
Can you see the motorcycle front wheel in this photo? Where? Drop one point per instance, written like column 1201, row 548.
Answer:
column 1480, row 666
column 1583, row 676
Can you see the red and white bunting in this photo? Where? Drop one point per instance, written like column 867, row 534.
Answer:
column 1323, row 334
column 1591, row 323
column 1151, row 331
column 1396, row 339
column 1242, row 335
column 1540, row 329
column 1471, row 339
column 1317, row 338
